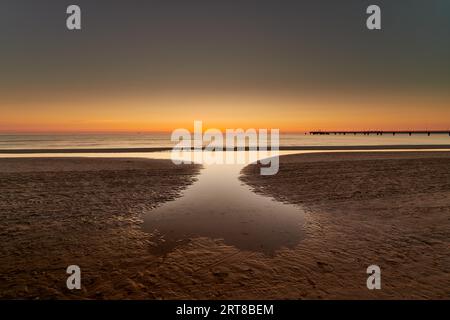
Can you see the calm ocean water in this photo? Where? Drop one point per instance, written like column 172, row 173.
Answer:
column 62, row 141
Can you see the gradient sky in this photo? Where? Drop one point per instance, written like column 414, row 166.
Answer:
column 159, row 65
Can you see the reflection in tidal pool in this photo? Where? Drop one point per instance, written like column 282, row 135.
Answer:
column 220, row 206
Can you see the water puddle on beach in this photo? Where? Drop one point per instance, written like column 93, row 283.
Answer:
column 220, row 206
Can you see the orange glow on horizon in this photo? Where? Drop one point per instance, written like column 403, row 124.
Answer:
column 287, row 113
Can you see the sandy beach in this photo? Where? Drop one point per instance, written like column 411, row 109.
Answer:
column 390, row 209
column 239, row 152
column 88, row 212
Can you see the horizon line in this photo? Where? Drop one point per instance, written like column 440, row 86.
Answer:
column 107, row 132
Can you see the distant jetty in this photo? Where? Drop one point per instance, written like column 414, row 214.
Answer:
column 380, row 132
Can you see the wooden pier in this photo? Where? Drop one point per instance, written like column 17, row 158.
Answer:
column 381, row 132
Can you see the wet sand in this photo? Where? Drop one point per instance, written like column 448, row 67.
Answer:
column 87, row 212
column 388, row 209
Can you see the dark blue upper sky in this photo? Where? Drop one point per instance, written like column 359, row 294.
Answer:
column 225, row 44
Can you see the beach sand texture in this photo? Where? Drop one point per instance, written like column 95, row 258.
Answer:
column 390, row 209
column 87, row 212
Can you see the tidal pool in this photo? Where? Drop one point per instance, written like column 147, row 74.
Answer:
column 219, row 206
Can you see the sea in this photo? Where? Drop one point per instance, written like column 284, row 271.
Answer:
column 162, row 140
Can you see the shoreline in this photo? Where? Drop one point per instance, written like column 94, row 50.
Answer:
column 282, row 148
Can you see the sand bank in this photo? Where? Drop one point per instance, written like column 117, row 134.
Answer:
column 87, row 212
column 388, row 209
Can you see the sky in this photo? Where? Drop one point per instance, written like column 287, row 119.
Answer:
column 159, row 65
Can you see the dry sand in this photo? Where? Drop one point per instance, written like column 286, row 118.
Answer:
column 389, row 209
